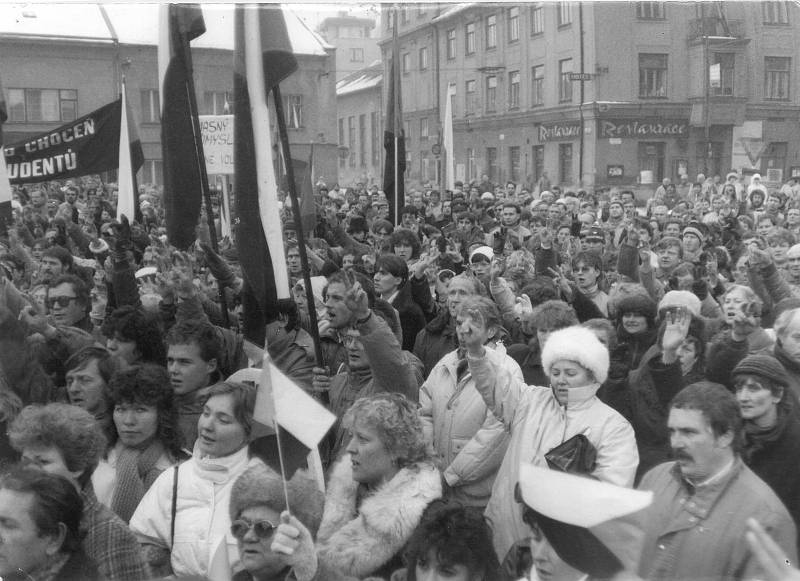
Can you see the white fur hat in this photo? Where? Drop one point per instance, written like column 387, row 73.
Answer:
column 579, row 345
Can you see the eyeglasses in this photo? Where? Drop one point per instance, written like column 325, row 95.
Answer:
column 262, row 528
column 62, row 302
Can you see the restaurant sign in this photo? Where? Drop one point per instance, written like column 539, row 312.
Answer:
column 642, row 128
column 559, row 131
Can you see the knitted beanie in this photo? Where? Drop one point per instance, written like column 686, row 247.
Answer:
column 261, row 486
column 763, row 365
column 677, row 298
column 579, row 345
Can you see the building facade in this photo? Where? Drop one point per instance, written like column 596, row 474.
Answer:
column 353, row 37
column 607, row 93
column 53, row 74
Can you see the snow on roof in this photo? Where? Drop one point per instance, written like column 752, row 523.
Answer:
column 367, row 78
column 69, row 21
column 453, row 10
column 137, row 24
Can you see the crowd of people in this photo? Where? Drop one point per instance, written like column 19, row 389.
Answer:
column 643, row 348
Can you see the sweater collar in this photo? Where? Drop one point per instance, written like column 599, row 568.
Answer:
column 219, row 470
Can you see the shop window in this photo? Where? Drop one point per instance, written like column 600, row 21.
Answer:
column 538, row 162
column 491, row 163
column 565, row 163
column 651, row 158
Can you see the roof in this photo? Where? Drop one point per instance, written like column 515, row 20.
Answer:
column 453, row 10
column 137, row 24
column 361, row 80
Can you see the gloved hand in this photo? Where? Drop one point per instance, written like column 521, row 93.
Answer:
column 122, row 238
column 294, row 542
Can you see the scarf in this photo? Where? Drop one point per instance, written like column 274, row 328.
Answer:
column 135, row 473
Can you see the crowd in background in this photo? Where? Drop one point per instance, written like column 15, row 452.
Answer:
column 647, row 344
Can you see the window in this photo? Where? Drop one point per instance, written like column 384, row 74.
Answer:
column 538, row 162
column 491, row 31
column 491, row 163
column 420, row 9
column 513, row 163
column 42, row 105
column 423, row 128
column 406, row 63
column 537, row 19
column 451, row 44
column 150, row 106
column 537, row 85
column 152, row 172
column 513, row 24
column 404, row 18
column 407, row 134
column 564, row 13
column 652, row 76
column 775, row 12
column 375, row 139
column 469, row 38
column 352, row 32
column 293, row 109
column 564, row 84
column 709, row 157
column 356, row 55
column 362, row 140
column 726, row 62
column 341, row 130
column 423, row 58
column 565, row 163
column 513, row 90
column 491, row 93
column 472, row 168
column 651, row 158
column 216, row 103
column 650, row 10
column 776, row 78
column 351, row 139
column 469, row 97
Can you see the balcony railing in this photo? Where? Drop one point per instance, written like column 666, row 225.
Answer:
column 714, row 26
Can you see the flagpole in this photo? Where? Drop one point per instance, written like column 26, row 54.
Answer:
column 396, row 121
column 201, row 164
column 298, row 224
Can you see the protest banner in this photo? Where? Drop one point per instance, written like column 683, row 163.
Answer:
column 88, row 145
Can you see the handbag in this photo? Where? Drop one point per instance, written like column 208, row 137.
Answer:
column 576, row 455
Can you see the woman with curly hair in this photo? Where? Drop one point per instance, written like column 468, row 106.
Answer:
column 133, row 336
column 145, row 440
column 451, row 542
column 378, row 490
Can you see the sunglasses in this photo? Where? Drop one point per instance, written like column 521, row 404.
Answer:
column 262, row 528
column 62, row 302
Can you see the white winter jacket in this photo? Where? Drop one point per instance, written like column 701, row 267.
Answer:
column 202, row 518
column 467, row 438
column 538, row 423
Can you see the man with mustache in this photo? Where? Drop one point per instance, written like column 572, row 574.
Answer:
column 695, row 528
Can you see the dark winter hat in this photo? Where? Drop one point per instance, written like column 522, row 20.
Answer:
column 261, row 486
column 358, row 224
column 595, row 233
column 765, row 366
column 639, row 304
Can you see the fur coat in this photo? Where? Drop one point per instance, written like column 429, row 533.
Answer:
column 359, row 540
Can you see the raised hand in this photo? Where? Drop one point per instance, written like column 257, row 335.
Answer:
column 472, row 332
column 676, row 330
column 357, row 302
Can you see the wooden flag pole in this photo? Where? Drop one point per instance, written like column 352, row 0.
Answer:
column 298, row 224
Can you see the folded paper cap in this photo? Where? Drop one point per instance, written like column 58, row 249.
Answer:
column 594, row 526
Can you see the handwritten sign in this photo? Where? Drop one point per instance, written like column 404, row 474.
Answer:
column 643, row 128
column 615, row 171
column 563, row 130
column 217, row 132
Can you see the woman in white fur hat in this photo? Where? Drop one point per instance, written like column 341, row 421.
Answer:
column 541, row 418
